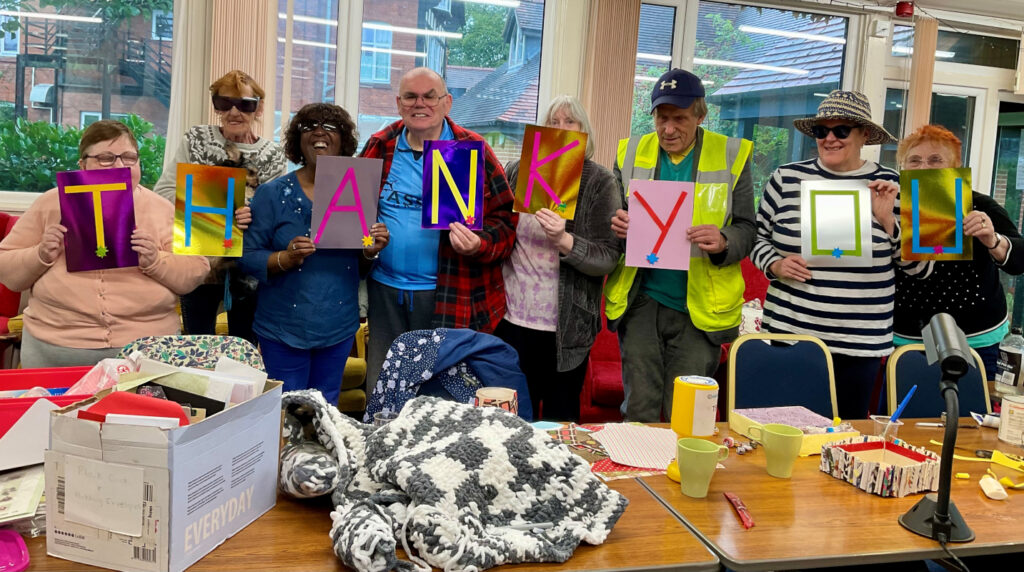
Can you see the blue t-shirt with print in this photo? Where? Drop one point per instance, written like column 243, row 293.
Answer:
column 410, row 260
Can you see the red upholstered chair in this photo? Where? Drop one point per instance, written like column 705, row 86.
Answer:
column 602, row 387
column 9, row 300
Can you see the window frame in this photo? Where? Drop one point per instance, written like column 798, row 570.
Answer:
column 17, row 40
column 153, row 27
column 375, row 65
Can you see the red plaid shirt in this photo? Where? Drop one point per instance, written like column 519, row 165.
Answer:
column 470, row 289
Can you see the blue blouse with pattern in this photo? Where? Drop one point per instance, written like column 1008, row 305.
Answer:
column 315, row 305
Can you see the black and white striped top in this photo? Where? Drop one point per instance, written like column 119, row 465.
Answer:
column 850, row 309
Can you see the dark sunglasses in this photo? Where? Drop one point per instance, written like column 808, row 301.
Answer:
column 307, row 126
column 244, row 104
column 840, row 131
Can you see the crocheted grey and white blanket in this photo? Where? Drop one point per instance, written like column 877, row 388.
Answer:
column 457, row 487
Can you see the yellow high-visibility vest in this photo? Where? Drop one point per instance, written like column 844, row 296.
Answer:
column 714, row 294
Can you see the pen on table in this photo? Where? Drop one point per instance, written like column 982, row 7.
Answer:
column 936, row 424
column 899, row 410
column 741, row 510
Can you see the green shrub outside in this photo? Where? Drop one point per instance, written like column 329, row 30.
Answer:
column 33, row 152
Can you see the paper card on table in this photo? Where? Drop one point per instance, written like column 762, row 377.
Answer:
column 660, row 212
column 103, row 495
column 638, row 445
column 934, row 203
column 204, row 210
column 550, row 169
column 98, row 210
column 345, row 201
column 453, row 183
column 835, row 223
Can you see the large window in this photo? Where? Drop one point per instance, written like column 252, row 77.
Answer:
column 961, row 48
column 653, row 57
column 310, row 71
column 97, row 60
column 952, row 111
column 761, row 67
column 488, row 53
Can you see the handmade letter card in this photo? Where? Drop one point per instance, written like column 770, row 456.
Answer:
column 204, row 212
column 453, row 183
column 345, row 201
column 659, row 214
column 550, row 169
column 835, row 223
column 98, row 210
column 934, row 203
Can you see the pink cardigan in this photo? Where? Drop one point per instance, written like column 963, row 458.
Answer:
column 99, row 308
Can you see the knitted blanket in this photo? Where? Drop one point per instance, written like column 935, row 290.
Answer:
column 457, row 487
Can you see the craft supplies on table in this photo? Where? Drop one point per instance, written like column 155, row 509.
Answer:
column 818, row 430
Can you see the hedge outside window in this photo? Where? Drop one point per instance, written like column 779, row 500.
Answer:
column 64, row 86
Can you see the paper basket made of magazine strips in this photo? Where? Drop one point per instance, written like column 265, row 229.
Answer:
column 895, row 470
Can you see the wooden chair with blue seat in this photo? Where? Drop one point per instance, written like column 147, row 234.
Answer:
column 908, row 366
column 777, row 370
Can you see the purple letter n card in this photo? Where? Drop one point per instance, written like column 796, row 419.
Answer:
column 97, row 208
column 453, row 184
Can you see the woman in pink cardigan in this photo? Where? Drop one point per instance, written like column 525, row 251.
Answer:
column 79, row 318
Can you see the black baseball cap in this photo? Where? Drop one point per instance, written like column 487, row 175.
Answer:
column 676, row 87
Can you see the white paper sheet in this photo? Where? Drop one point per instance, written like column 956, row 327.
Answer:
column 638, row 446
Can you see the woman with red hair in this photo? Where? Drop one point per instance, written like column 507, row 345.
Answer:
column 968, row 291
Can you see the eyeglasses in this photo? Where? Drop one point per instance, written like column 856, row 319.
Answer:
column 244, row 104
column 935, row 161
column 430, row 100
column 108, row 159
column 840, row 131
column 307, row 126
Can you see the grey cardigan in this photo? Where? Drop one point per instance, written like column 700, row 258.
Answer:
column 595, row 253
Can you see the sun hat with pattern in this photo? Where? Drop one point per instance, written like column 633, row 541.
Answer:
column 851, row 106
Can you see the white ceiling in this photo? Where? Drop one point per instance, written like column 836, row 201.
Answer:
column 1011, row 9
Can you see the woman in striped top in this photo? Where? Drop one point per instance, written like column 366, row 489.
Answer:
column 848, row 308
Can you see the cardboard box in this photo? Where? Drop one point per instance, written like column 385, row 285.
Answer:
column 796, row 416
column 25, row 421
column 141, row 498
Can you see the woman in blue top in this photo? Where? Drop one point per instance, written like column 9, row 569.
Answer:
column 308, row 309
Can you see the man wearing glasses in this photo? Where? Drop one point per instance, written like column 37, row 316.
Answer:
column 429, row 278
column 673, row 322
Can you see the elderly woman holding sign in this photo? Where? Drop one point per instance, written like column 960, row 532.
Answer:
column 307, row 309
column 848, row 308
column 79, row 318
column 238, row 102
column 968, row 291
column 554, row 276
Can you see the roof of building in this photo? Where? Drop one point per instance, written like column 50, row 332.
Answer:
column 823, row 61
column 464, row 77
column 503, row 95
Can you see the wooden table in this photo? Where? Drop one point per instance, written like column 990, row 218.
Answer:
column 294, row 536
column 814, row 519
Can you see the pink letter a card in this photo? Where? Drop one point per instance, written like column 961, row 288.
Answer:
column 660, row 212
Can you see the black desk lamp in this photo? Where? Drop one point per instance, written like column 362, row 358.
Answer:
column 935, row 516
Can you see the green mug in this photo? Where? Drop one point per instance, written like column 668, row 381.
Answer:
column 697, row 459
column 781, row 446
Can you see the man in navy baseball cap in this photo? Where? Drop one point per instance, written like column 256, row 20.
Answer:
column 677, row 87
column 673, row 322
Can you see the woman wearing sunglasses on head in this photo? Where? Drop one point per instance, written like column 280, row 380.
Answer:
column 308, row 305
column 968, row 291
column 238, row 103
column 79, row 318
column 848, row 308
